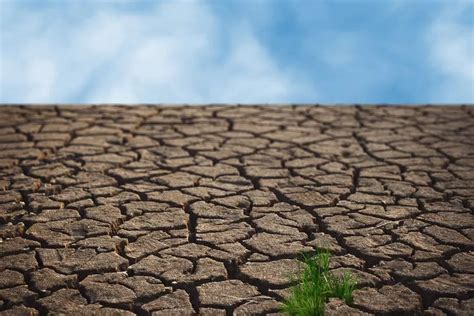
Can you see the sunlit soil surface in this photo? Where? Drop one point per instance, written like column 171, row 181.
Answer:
column 160, row 210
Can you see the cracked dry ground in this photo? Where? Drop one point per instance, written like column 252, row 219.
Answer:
column 116, row 210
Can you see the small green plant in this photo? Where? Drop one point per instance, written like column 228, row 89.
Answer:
column 316, row 285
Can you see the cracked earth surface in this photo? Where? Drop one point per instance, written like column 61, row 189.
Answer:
column 116, row 210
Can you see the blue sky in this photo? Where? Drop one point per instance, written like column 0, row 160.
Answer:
column 243, row 51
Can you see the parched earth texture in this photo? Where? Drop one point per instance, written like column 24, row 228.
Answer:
column 177, row 210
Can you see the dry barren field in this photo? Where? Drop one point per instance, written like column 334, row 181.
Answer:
column 122, row 210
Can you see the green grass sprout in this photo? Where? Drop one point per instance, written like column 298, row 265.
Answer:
column 315, row 285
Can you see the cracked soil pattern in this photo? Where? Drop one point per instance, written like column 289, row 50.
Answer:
column 123, row 210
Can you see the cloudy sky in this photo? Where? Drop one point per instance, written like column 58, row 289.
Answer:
column 242, row 51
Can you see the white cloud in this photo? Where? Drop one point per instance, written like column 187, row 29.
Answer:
column 175, row 52
column 451, row 53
